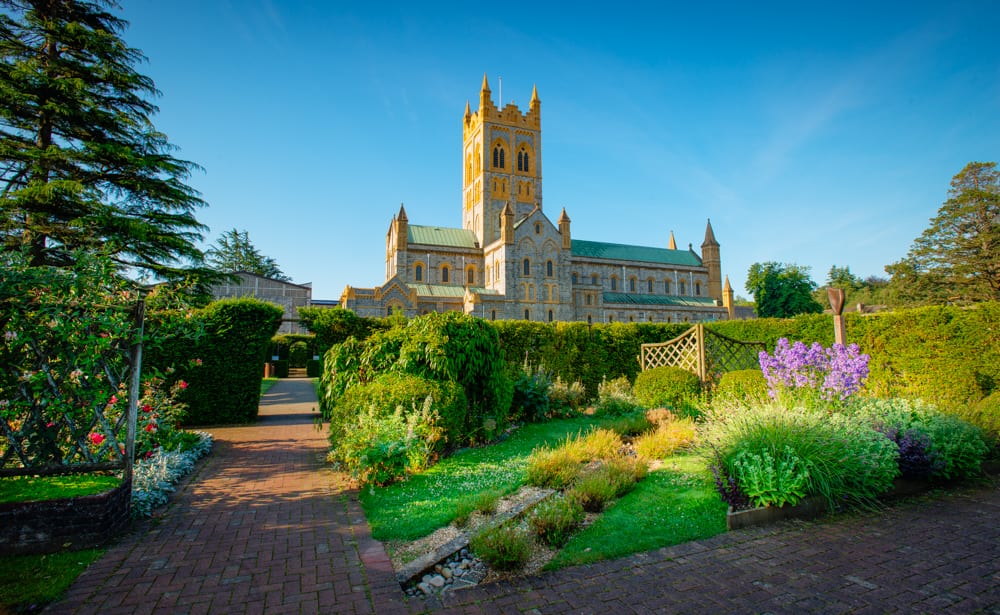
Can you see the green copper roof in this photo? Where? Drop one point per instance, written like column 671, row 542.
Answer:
column 622, row 252
column 447, row 290
column 438, row 236
column 634, row 299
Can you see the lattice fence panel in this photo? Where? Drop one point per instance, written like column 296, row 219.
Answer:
column 724, row 354
column 683, row 352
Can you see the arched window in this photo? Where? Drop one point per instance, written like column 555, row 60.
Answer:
column 697, row 289
column 527, row 314
column 548, row 268
column 666, row 287
column 418, row 273
column 493, row 314
column 550, row 315
column 614, row 283
column 444, row 274
column 527, row 266
column 680, row 286
column 593, row 279
column 590, row 319
column 520, row 160
column 590, row 299
column 611, row 317
column 649, row 286
column 525, row 162
column 538, row 227
column 631, row 285
column 496, row 157
column 574, row 277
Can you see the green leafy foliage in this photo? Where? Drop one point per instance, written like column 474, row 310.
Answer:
column 781, row 290
column 667, row 386
column 768, row 481
column 956, row 448
column 389, row 392
column 504, row 547
column 531, row 395
column 281, row 368
column 298, row 354
column 848, row 461
column 446, row 347
column 565, row 398
column 335, row 325
column 382, row 448
column 615, row 398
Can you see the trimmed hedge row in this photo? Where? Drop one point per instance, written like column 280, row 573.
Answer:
column 236, row 337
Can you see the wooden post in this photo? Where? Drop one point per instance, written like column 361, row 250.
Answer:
column 836, row 296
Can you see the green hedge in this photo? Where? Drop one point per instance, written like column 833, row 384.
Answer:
column 314, row 367
column 280, row 368
column 281, row 345
column 235, row 337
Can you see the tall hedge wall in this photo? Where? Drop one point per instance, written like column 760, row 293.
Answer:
column 236, row 337
column 947, row 355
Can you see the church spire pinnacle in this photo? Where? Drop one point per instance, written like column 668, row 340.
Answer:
column 673, row 244
column 533, row 105
column 468, row 111
column 709, row 236
column 402, row 213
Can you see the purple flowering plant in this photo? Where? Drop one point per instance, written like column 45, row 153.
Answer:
column 814, row 373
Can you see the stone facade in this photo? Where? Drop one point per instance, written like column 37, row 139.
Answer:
column 290, row 297
column 510, row 261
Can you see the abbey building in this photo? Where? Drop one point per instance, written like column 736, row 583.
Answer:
column 510, row 261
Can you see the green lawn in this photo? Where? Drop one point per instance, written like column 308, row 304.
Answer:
column 674, row 504
column 266, row 384
column 33, row 488
column 28, row 582
column 428, row 501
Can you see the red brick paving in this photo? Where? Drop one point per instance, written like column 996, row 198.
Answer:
column 262, row 527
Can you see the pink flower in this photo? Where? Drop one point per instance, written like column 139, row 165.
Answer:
column 182, row 384
column 96, row 439
column 151, row 427
column 114, row 400
column 147, row 408
column 50, row 424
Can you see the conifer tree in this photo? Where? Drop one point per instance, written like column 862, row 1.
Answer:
column 958, row 256
column 81, row 164
column 234, row 252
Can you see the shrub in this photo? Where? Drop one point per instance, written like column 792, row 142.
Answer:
column 555, row 519
column 298, row 354
column 915, row 457
column 531, row 395
column 388, row 392
column 609, row 481
column 314, row 367
column 660, row 415
column 956, row 448
column 380, row 449
column 742, row 387
column 984, row 414
column 631, row 424
column 281, row 368
column 597, row 444
column 503, row 547
column 848, row 461
column 666, row 386
column 665, row 440
column 484, row 503
column 553, row 468
column 566, row 399
column 615, row 398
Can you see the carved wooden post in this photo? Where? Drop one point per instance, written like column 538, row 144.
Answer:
column 836, row 296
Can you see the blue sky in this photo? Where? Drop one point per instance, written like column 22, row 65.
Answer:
column 820, row 135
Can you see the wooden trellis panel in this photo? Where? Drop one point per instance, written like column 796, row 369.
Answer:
column 702, row 352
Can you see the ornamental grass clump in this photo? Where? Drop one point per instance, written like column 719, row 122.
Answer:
column 555, row 519
column 813, row 375
column 558, row 467
column 848, row 461
column 665, row 440
column 504, row 547
column 607, row 482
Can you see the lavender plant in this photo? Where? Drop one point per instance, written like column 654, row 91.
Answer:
column 813, row 373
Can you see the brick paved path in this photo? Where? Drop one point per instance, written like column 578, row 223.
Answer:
column 262, row 528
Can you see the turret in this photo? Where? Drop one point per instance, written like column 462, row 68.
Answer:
column 507, row 224
column 672, row 245
column 727, row 300
column 402, row 224
column 485, row 96
column 712, row 261
column 564, row 230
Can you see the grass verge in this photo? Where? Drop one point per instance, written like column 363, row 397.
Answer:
column 430, row 500
column 35, row 488
column 674, row 504
column 28, row 582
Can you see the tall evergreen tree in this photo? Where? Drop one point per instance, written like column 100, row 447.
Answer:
column 781, row 290
column 81, row 164
column 958, row 256
column 233, row 252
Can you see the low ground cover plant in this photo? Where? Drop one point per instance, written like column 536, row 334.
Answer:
column 615, row 397
column 555, row 519
column 34, row 488
column 505, row 547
